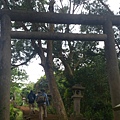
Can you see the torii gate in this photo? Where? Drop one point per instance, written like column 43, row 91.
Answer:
column 6, row 16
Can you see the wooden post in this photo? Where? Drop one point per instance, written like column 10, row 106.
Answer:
column 112, row 67
column 5, row 68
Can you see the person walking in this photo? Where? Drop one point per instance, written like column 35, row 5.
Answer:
column 42, row 102
column 31, row 99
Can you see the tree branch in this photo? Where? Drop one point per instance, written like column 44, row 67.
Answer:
column 5, row 3
column 106, row 6
column 27, row 60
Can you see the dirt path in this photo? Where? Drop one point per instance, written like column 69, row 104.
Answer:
column 35, row 116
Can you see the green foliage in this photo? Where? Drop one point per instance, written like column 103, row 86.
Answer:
column 26, row 89
column 18, row 77
column 22, row 52
column 20, row 115
column 13, row 112
column 100, row 110
column 42, row 83
column 96, row 103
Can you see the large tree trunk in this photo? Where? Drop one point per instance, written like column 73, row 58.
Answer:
column 5, row 67
column 112, row 66
column 58, row 103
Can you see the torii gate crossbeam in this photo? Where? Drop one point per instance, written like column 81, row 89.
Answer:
column 59, row 18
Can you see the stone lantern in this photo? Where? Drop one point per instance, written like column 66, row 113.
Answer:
column 77, row 88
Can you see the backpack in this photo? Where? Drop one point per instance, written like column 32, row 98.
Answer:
column 31, row 97
column 40, row 98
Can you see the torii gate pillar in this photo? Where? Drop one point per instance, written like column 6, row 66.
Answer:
column 112, row 67
column 5, row 67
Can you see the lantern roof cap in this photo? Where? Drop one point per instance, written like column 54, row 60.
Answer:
column 78, row 87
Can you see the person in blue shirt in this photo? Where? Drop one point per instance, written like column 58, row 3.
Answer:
column 42, row 102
